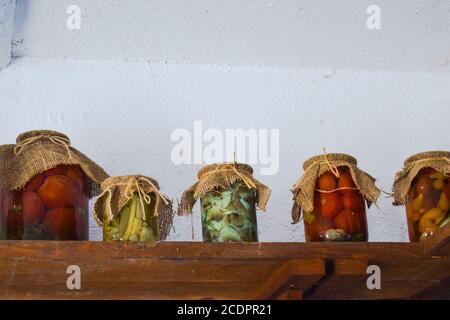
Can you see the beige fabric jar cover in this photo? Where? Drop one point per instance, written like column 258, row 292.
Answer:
column 438, row 160
column 315, row 167
column 223, row 175
column 39, row 151
column 117, row 191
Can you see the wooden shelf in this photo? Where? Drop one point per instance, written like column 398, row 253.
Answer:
column 191, row 270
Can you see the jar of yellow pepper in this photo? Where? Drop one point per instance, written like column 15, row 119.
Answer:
column 423, row 186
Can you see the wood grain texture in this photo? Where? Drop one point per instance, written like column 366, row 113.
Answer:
column 192, row 270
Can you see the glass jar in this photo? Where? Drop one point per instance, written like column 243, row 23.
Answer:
column 135, row 222
column 229, row 215
column 339, row 210
column 6, row 198
column 52, row 206
column 427, row 208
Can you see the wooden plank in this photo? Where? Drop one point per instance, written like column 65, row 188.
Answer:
column 291, row 294
column 193, row 270
column 132, row 290
column 18, row 270
column 196, row 250
column 439, row 243
column 293, row 274
column 342, row 275
column 439, row 291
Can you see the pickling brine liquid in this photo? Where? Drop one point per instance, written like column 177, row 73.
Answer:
column 52, row 206
column 135, row 222
column 428, row 205
column 229, row 215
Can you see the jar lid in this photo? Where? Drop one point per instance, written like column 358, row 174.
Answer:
column 224, row 166
column 329, row 157
column 45, row 133
column 426, row 155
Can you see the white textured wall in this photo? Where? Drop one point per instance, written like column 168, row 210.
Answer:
column 6, row 30
column 414, row 34
column 122, row 115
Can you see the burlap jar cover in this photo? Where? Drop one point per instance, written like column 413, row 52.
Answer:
column 38, row 151
column 117, row 191
column 223, row 175
column 438, row 160
column 315, row 167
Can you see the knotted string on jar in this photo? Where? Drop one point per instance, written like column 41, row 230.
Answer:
column 58, row 140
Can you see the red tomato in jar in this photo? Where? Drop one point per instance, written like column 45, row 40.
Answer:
column 59, row 192
column 33, row 209
column 330, row 204
column 77, row 175
column 345, row 180
column 35, row 183
column 326, row 182
column 353, row 201
column 62, row 224
column 349, row 221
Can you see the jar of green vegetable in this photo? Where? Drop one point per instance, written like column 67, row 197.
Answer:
column 131, row 208
column 229, row 195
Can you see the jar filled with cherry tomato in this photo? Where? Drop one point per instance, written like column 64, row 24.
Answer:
column 48, row 185
column 52, row 206
column 424, row 187
column 332, row 196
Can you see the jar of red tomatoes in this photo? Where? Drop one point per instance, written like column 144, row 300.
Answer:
column 423, row 186
column 332, row 196
column 48, row 186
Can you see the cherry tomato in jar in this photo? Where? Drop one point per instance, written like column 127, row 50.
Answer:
column 345, row 181
column 77, row 175
column 62, row 223
column 353, row 201
column 35, row 183
column 330, row 204
column 33, row 209
column 59, row 192
column 326, row 182
column 349, row 221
